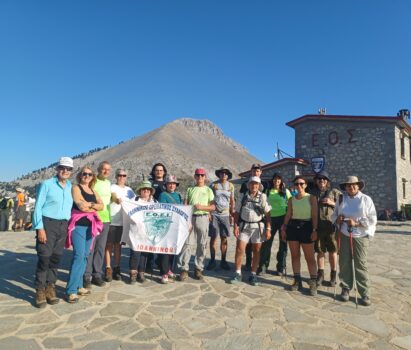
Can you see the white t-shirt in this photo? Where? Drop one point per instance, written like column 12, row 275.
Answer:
column 115, row 209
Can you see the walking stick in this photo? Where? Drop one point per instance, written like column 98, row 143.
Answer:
column 353, row 268
column 338, row 254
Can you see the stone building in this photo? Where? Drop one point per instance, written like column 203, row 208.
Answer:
column 375, row 148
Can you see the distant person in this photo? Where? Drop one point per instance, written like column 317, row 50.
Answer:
column 277, row 197
column 20, row 213
column 29, row 204
column 6, row 210
column 121, row 191
column 357, row 220
column 251, row 224
column 223, row 191
column 138, row 259
column 84, row 225
column 256, row 170
column 326, row 236
column 95, row 261
column 50, row 220
column 300, row 230
column 170, row 196
column 201, row 197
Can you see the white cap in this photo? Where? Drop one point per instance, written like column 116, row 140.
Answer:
column 254, row 179
column 66, row 161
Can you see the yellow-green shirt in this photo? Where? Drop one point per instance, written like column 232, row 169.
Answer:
column 278, row 203
column 199, row 195
column 301, row 208
column 103, row 188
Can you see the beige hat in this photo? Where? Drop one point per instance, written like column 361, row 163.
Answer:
column 19, row 189
column 145, row 184
column 254, row 179
column 352, row 180
column 66, row 161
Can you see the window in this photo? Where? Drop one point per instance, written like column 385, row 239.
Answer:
column 404, row 194
column 402, row 147
column 409, row 142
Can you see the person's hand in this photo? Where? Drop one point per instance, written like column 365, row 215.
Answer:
column 41, row 236
column 267, row 234
column 314, row 236
column 119, row 200
column 328, row 201
column 340, row 219
column 350, row 222
column 197, row 206
column 283, row 235
column 236, row 231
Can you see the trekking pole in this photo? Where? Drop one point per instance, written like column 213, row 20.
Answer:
column 338, row 258
column 353, row 268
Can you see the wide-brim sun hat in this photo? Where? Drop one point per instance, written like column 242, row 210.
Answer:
column 145, row 184
column 254, row 179
column 352, row 180
column 19, row 189
column 218, row 171
column 171, row 179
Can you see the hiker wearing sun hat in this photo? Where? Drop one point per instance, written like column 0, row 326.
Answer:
column 357, row 219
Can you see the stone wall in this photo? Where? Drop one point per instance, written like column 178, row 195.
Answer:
column 287, row 171
column 403, row 169
column 364, row 149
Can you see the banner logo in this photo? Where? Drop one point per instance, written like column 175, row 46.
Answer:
column 157, row 225
column 317, row 164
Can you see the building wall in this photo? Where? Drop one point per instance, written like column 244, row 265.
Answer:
column 403, row 168
column 364, row 149
column 287, row 171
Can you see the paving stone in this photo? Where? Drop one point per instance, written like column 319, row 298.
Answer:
column 16, row 310
column 9, row 325
column 240, row 324
column 211, row 334
column 369, row 324
column 42, row 317
column 147, row 334
column 209, row 299
column 146, row 319
column 184, row 289
column 14, row 343
column 166, row 344
column 235, row 342
column 100, row 322
column 121, row 309
column 161, row 311
column 235, row 305
column 278, row 336
column 402, row 342
column 225, row 312
column 139, row 346
column 403, row 327
column 293, row 315
column 230, row 294
column 58, row 343
column 198, row 324
column 261, row 326
column 305, row 346
column 114, row 296
column 173, row 330
column 122, row 329
column 103, row 345
column 82, row 316
column 39, row 329
column 380, row 345
column 64, row 308
column 264, row 312
column 328, row 335
column 89, row 337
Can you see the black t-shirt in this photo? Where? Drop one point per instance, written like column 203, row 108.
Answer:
column 159, row 186
column 88, row 197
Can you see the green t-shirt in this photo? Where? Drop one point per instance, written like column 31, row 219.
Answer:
column 278, row 202
column 199, row 195
column 103, row 188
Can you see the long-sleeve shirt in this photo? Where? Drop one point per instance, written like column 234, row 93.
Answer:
column 360, row 208
column 53, row 201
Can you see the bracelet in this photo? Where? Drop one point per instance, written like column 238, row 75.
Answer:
column 268, row 228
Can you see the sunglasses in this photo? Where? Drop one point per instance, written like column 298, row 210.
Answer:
column 351, row 185
column 121, row 175
column 223, row 173
column 299, row 183
column 65, row 168
column 86, row 174
column 321, row 178
column 199, row 175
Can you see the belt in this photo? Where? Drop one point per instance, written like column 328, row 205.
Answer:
column 200, row 214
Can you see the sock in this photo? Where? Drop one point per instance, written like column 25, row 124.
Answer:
column 253, row 273
column 238, row 271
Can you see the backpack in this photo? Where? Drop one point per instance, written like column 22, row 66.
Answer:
column 3, row 203
column 257, row 206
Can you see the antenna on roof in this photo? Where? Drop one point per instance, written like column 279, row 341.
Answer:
column 322, row 111
column 280, row 153
column 404, row 113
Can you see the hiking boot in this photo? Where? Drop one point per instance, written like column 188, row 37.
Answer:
column 87, row 283
column 261, row 271
column 140, row 277
column 313, row 286
column 98, row 281
column 365, row 300
column 183, row 275
column 41, row 300
column 211, row 265
column 320, row 277
column 51, row 296
column 116, row 273
column 171, row 276
column 224, row 265
column 333, row 278
column 164, row 279
column 345, row 294
column 297, row 285
column 236, row 279
column 133, row 276
column 253, row 280
column 83, row 291
column 109, row 274
column 198, row 274
column 72, row 298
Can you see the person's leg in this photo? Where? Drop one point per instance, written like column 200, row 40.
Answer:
column 57, row 250
column 107, row 254
column 248, row 256
column 99, row 249
column 223, row 248
column 164, row 264
column 361, row 269
column 185, row 254
column 345, row 273
column 308, row 249
column 295, row 256
column 213, row 232
column 265, row 253
column 256, row 256
column 202, row 234
column 78, row 238
column 239, row 252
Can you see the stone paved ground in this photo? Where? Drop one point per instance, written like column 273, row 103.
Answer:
column 211, row 314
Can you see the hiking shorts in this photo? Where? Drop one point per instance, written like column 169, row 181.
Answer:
column 219, row 225
column 326, row 238
column 21, row 213
column 300, row 231
column 114, row 234
column 252, row 232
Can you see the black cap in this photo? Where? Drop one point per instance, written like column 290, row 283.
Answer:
column 322, row 173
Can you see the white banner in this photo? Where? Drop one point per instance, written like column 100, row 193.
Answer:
column 159, row 228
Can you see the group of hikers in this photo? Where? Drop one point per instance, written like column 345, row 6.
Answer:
column 16, row 211
column 88, row 216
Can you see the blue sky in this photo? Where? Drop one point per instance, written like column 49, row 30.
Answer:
column 75, row 75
